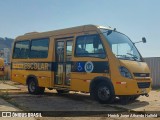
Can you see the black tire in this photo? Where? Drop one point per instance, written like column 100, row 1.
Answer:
column 62, row 91
column 103, row 93
column 33, row 87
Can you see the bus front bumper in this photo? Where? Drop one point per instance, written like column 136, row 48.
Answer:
column 133, row 87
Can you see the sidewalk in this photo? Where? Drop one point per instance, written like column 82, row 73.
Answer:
column 5, row 106
column 4, row 86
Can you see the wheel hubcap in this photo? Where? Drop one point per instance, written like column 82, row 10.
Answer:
column 32, row 86
column 104, row 93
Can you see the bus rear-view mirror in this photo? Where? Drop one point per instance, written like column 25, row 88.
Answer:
column 144, row 40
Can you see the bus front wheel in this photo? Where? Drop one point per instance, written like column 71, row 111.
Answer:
column 33, row 87
column 104, row 93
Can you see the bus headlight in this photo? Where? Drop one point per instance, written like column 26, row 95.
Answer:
column 125, row 72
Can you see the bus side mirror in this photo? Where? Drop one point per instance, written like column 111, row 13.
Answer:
column 144, row 40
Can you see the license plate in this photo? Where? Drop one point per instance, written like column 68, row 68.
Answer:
column 143, row 91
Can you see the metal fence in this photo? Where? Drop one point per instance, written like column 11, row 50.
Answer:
column 154, row 65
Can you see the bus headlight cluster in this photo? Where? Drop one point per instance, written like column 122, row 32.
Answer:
column 125, row 72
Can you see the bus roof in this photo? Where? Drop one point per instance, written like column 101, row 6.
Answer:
column 34, row 35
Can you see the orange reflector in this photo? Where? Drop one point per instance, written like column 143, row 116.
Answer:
column 121, row 83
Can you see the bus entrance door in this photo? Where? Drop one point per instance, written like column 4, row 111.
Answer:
column 63, row 53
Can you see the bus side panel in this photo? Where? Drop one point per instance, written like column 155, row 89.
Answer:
column 18, row 76
column 79, row 83
column 44, row 78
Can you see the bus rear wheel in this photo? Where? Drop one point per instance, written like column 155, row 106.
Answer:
column 104, row 93
column 33, row 87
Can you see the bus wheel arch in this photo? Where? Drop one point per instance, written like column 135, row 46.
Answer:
column 33, row 86
column 102, row 90
column 31, row 77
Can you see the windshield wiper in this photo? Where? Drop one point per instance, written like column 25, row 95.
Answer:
column 122, row 56
column 133, row 56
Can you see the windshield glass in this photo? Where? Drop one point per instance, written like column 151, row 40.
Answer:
column 121, row 45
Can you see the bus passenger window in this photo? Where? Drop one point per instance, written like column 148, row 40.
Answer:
column 89, row 46
column 39, row 48
column 21, row 49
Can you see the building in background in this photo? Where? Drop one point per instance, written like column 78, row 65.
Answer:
column 1, row 53
column 5, row 54
column 154, row 65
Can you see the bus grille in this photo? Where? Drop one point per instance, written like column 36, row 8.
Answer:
column 141, row 74
column 143, row 84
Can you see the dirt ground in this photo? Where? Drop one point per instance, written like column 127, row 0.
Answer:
column 79, row 102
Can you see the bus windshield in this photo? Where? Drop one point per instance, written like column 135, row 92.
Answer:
column 121, row 45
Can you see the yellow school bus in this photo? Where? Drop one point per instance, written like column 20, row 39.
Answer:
column 91, row 59
column 1, row 67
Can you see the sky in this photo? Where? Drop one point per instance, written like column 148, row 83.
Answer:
column 135, row 18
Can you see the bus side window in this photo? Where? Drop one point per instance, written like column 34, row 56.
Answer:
column 21, row 49
column 39, row 48
column 16, row 52
column 89, row 46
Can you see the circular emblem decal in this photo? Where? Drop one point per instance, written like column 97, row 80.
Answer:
column 89, row 67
